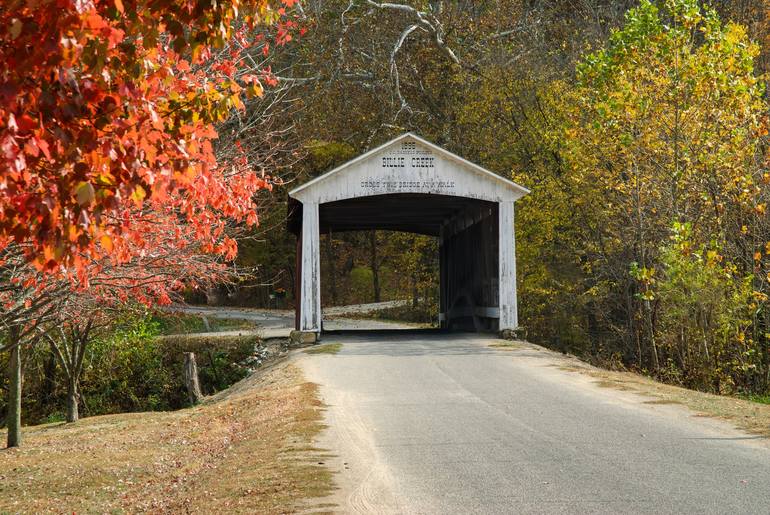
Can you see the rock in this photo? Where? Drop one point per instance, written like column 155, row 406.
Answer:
column 303, row 337
column 519, row 333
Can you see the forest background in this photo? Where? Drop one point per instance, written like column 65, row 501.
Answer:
column 639, row 127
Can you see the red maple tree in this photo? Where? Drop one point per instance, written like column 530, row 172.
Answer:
column 166, row 261
column 107, row 112
column 109, row 184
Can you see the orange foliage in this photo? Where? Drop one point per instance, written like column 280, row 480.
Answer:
column 107, row 113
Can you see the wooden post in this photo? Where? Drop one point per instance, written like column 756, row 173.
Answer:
column 298, row 284
column 310, row 293
column 191, row 378
column 509, row 318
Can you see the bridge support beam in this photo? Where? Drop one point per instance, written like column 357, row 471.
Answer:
column 509, row 316
column 310, row 270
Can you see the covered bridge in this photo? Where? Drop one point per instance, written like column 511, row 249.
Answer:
column 412, row 185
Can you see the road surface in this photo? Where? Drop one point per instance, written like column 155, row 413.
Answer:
column 278, row 323
column 447, row 424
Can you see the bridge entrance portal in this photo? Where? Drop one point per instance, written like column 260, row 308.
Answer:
column 411, row 185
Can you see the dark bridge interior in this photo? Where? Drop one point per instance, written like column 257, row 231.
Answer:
column 406, row 212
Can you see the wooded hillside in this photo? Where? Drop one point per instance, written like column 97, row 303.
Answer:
column 639, row 127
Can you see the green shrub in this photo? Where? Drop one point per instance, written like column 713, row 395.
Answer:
column 130, row 367
column 361, row 284
column 126, row 371
column 705, row 315
column 222, row 360
column 186, row 323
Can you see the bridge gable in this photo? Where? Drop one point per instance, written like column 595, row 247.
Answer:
column 408, row 164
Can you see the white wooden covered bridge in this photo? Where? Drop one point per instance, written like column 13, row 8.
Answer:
column 412, row 185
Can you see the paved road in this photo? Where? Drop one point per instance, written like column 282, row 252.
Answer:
column 440, row 424
column 363, row 308
column 278, row 323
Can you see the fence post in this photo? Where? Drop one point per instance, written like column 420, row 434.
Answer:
column 191, row 378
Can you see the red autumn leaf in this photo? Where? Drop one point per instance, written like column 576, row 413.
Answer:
column 31, row 148
column 26, row 123
column 43, row 146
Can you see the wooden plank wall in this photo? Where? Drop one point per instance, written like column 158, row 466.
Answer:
column 469, row 270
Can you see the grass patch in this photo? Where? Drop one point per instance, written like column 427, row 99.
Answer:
column 243, row 344
column 661, row 402
column 761, row 399
column 186, row 323
column 329, row 348
column 424, row 315
column 237, row 453
column 748, row 415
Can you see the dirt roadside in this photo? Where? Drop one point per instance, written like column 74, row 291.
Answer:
column 743, row 414
column 248, row 449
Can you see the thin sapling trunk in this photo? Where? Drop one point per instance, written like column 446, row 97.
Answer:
column 14, row 391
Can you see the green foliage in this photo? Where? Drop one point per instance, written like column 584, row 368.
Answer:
column 666, row 124
column 222, row 360
column 705, row 311
column 182, row 323
column 761, row 399
column 361, row 283
column 325, row 155
column 125, row 371
column 328, row 348
column 128, row 367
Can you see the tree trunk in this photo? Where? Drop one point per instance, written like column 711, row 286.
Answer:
column 191, row 378
column 375, row 266
column 49, row 379
column 653, row 343
column 14, row 394
column 415, row 292
column 73, row 398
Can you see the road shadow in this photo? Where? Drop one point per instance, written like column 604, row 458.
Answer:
column 421, row 342
column 395, row 333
